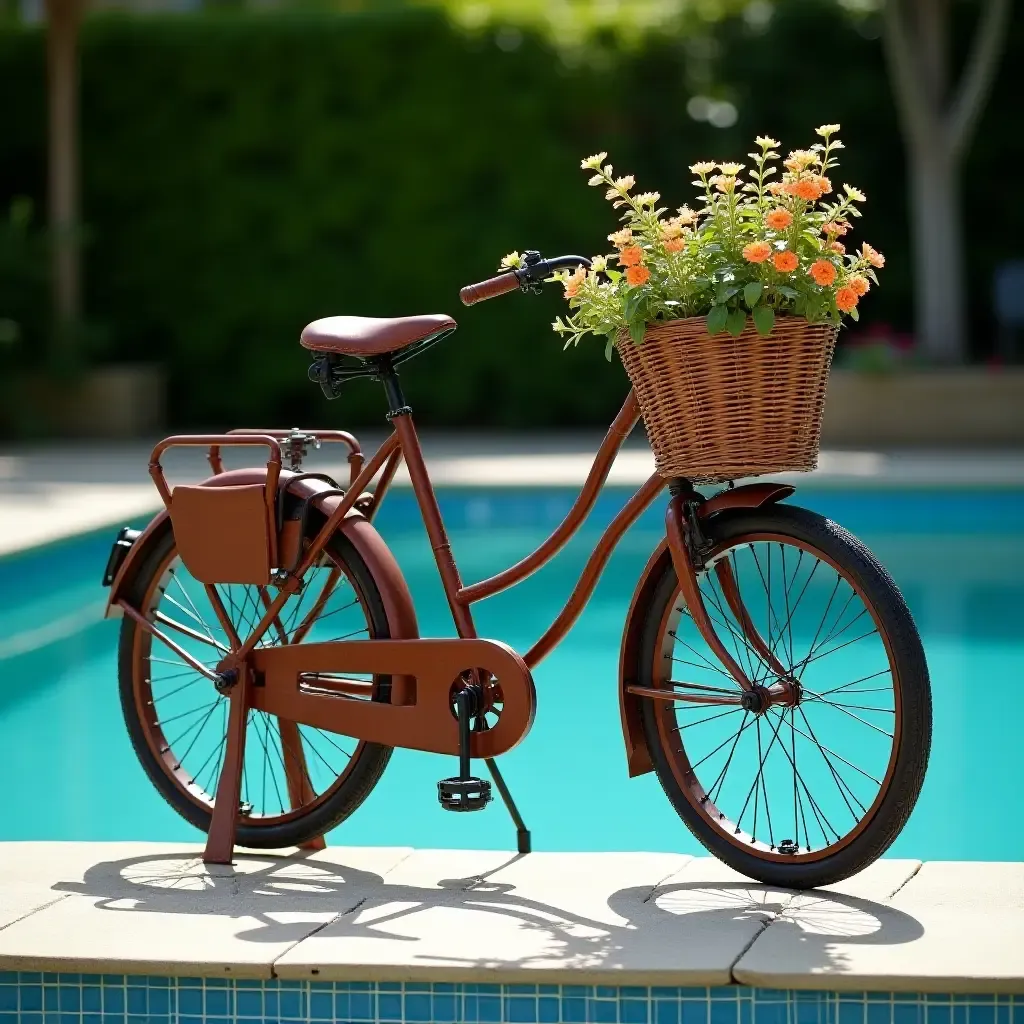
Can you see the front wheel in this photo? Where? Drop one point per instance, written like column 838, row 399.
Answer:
column 803, row 795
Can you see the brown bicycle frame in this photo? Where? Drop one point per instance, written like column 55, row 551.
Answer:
column 404, row 443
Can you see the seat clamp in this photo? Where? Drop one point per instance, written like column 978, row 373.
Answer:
column 405, row 410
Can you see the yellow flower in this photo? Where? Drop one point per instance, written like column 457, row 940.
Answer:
column 730, row 169
column 512, row 261
column 826, row 130
column 625, row 183
column 854, row 193
column 801, row 159
column 647, row 198
column 767, row 143
column 598, row 264
column 724, row 182
column 671, row 229
column 593, row 163
column 621, row 237
column 686, row 216
column 703, row 168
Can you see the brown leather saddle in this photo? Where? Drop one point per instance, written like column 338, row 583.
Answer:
column 367, row 337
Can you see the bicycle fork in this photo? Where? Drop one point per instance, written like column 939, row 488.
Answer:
column 689, row 550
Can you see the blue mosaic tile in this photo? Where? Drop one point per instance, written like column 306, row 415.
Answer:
column 34, row 998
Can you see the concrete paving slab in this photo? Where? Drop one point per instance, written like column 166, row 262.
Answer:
column 570, row 918
column 186, row 933
column 948, row 928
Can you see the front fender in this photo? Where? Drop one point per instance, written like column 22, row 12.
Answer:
column 638, row 757
column 398, row 605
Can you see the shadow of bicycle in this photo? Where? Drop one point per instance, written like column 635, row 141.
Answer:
column 483, row 920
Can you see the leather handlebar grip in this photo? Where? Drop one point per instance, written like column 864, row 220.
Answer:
column 489, row 289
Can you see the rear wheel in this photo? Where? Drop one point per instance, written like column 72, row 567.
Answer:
column 298, row 781
column 807, row 794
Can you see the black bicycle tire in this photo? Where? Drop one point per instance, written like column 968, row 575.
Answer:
column 907, row 652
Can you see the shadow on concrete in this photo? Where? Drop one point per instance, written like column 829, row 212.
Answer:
column 275, row 898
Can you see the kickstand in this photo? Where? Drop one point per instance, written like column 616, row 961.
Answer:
column 523, row 843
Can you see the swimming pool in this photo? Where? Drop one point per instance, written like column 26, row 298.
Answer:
column 958, row 559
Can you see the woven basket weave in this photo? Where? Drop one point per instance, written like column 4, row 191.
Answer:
column 720, row 408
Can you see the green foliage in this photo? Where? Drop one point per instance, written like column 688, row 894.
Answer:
column 244, row 174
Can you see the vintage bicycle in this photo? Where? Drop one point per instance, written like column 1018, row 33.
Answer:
column 270, row 660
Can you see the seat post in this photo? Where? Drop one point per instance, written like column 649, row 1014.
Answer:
column 388, row 376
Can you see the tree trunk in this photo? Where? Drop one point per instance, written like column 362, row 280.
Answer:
column 62, row 71
column 939, row 287
column 938, row 120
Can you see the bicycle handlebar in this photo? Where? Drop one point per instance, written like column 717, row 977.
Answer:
column 489, row 289
column 529, row 277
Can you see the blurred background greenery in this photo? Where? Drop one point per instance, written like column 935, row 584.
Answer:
column 246, row 168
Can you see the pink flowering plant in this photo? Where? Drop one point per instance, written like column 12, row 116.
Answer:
column 756, row 247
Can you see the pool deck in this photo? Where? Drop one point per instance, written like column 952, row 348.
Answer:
column 56, row 491
column 397, row 914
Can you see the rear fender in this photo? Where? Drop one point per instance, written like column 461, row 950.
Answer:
column 638, row 757
column 398, row 605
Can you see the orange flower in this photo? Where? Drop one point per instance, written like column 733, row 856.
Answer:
column 859, row 283
column 779, row 219
column 637, row 276
column 873, row 256
column 631, row 256
column 809, row 187
column 674, row 245
column 823, row 272
column 835, row 227
column 572, row 285
column 785, row 261
column 837, row 247
column 777, row 188
column 846, row 298
column 757, row 252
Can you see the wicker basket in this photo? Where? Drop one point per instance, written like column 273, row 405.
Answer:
column 720, row 408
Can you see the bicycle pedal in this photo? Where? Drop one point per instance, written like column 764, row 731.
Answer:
column 467, row 794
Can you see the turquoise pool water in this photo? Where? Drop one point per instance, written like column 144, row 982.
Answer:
column 71, row 773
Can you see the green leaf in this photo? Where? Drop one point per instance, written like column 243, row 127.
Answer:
column 854, row 313
column 751, row 293
column 735, row 322
column 716, row 319
column 764, row 319
column 790, row 293
column 609, row 345
column 636, row 331
column 613, row 275
column 724, row 292
column 632, row 304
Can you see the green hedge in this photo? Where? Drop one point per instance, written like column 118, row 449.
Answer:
column 246, row 174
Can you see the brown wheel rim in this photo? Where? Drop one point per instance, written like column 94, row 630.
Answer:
column 184, row 719
column 787, row 784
